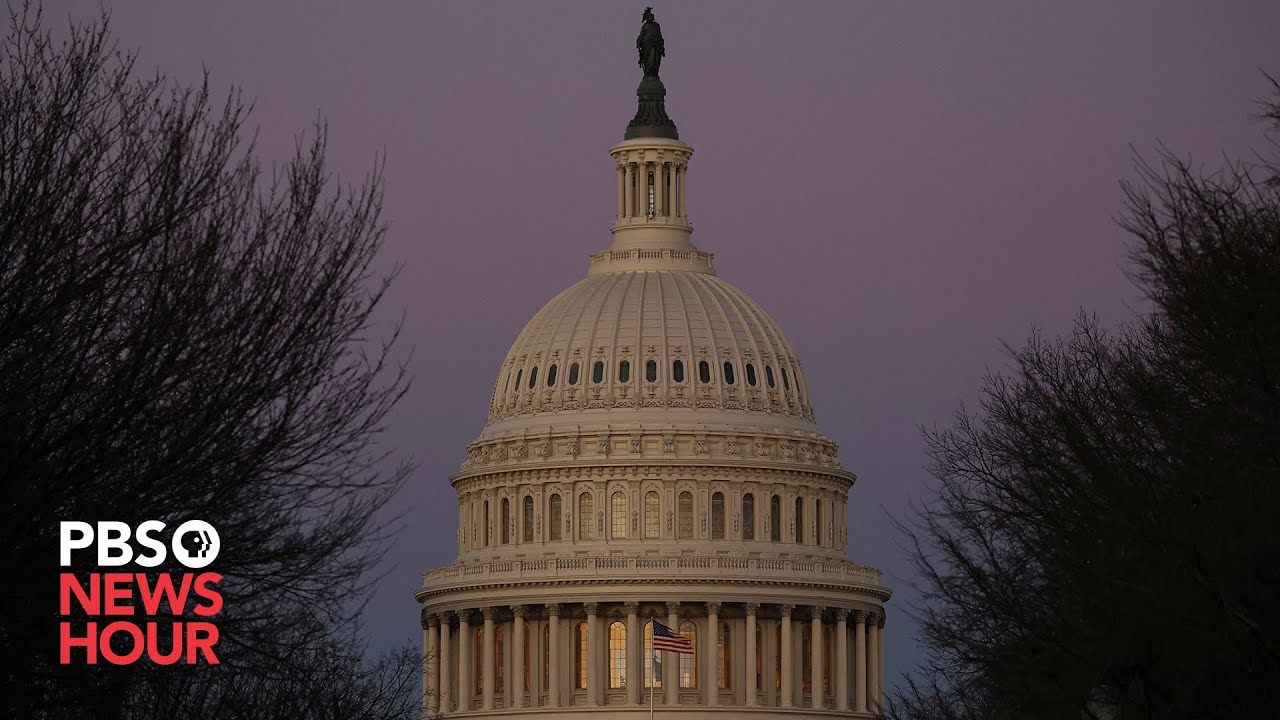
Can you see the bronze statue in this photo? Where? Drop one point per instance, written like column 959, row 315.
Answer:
column 649, row 43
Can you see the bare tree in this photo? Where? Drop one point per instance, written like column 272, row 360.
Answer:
column 1103, row 539
column 181, row 336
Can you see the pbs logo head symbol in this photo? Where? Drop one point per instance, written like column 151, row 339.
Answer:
column 196, row 543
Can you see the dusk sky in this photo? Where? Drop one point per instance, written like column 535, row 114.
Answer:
column 901, row 185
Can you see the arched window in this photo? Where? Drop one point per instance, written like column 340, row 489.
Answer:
column 817, row 521
column 586, row 517
column 553, row 517
column 775, row 518
column 749, row 517
column 551, row 376
column 624, row 371
column 724, row 658
column 484, row 530
column 527, row 532
column 573, row 374
column 768, row 375
column 597, row 372
column 505, row 530
column 786, row 384
column 618, row 516
column 617, row 654
column 477, row 660
column 649, row 680
column 717, row 516
column 751, row 375
column 651, row 371
column 533, row 377
column 518, row 374
column 497, row 656
column 728, row 373
column 689, row 663
column 685, row 508
column 704, row 372
column 800, row 520
column 580, row 655
column 652, row 515
column 677, row 371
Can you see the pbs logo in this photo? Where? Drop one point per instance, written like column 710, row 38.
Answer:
column 195, row 543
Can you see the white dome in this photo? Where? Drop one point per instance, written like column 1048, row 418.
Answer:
column 634, row 345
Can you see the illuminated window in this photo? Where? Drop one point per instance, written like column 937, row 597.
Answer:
column 505, row 530
column 749, row 517
column 649, row 680
column 554, row 514
column 689, row 663
column 586, row 517
column 724, row 657
column 618, row 516
column 652, row 513
column 717, row 516
column 617, row 655
column 580, row 655
column 527, row 519
column 685, row 507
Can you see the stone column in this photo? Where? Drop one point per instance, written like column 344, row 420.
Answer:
column 487, row 659
column 622, row 191
column 630, row 200
column 859, row 661
column 750, row 664
column 815, row 657
column 879, row 685
column 671, row 661
column 842, row 659
column 635, row 650
column 464, row 660
column 593, row 655
column 430, row 661
column 787, row 665
column 446, row 679
column 713, row 654
column 553, row 655
column 517, row 658
column 659, row 170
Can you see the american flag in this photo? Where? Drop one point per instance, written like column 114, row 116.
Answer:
column 664, row 638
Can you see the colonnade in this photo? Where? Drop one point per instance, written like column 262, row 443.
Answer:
column 591, row 654
column 668, row 189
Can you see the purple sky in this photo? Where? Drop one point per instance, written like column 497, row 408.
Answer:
column 901, row 185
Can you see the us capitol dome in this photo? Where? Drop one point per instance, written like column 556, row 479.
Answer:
column 651, row 453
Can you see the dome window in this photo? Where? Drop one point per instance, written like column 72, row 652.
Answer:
column 717, row 516
column 786, row 384
column 751, row 375
column 573, row 374
column 684, row 507
column 768, row 376
column 624, row 371
column 551, row 376
column 775, row 518
column 651, row 371
column 704, row 372
column 533, row 377
column 518, row 374
column 728, row 373
column 677, row 371
column 553, row 513
column 597, row 372
column 749, row 516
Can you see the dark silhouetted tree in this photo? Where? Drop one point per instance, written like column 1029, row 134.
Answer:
column 1104, row 540
column 184, row 337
